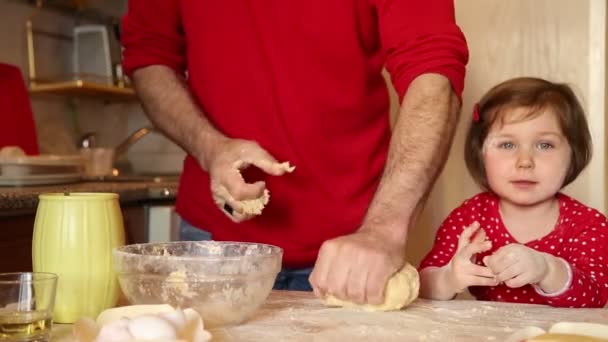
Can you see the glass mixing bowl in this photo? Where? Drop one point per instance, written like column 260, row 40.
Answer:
column 226, row 282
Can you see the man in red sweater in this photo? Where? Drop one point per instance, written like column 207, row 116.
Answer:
column 242, row 82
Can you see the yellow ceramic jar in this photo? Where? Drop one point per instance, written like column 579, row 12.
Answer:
column 74, row 234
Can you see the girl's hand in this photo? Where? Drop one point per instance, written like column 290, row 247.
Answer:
column 517, row 265
column 462, row 270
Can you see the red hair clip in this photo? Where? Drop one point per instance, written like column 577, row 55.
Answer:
column 476, row 116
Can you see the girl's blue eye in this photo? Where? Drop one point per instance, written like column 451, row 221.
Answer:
column 507, row 145
column 545, row 146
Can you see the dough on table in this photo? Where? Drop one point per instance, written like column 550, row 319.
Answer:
column 550, row 337
column 595, row 330
column 11, row 152
column 563, row 332
column 401, row 290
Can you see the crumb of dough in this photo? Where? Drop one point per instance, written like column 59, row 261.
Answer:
column 287, row 166
column 176, row 281
column 255, row 206
column 550, row 337
column 11, row 152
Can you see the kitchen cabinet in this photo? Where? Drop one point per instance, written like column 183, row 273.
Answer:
column 16, row 233
column 75, row 85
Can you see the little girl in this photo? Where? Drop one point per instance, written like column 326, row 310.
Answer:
column 522, row 240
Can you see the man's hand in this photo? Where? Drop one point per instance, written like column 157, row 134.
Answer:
column 172, row 108
column 462, row 271
column 517, row 265
column 357, row 267
column 224, row 163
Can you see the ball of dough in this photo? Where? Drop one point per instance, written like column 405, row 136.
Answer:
column 11, row 152
column 564, row 338
column 401, row 290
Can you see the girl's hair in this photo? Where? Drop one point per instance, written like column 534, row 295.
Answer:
column 538, row 95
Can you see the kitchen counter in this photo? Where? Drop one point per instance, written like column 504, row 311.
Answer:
column 24, row 199
column 18, row 208
column 299, row 316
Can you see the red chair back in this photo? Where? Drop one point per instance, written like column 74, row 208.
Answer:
column 17, row 127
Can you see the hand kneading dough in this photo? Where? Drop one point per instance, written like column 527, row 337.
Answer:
column 401, row 290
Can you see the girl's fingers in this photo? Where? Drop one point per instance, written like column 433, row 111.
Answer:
column 481, row 281
column 508, row 273
column 465, row 237
column 480, row 236
column 475, row 248
column 480, row 271
column 517, row 281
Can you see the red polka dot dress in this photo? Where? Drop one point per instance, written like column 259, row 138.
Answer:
column 580, row 238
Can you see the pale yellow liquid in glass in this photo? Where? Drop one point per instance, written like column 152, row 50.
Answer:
column 25, row 326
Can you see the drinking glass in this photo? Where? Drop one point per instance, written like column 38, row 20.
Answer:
column 27, row 301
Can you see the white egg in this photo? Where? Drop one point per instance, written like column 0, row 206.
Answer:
column 116, row 331
column 148, row 327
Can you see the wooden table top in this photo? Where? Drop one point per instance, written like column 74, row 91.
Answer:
column 299, row 316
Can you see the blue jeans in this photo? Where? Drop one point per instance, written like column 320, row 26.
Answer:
column 295, row 279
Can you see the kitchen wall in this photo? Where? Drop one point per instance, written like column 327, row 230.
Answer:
column 60, row 121
column 561, row 40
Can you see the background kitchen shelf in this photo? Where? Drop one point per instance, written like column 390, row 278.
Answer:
column 75, row 85
column 81, row 88
column 79, row 8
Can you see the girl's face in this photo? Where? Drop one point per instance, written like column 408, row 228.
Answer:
column 526, row 161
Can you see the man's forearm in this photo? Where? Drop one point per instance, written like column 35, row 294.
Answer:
column 418, row 150
column 170, row 106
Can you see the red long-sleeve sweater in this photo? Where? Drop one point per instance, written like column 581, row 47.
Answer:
column 579, row 238
column 303, row 79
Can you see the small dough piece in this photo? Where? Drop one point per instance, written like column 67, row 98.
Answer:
column 563, row 332
column 401, row 290
column 247, row 208
column 11, row 152
column 287, row 167
column 255, row 206
column 551, row 337
column 525, row 334
column 595, row 330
